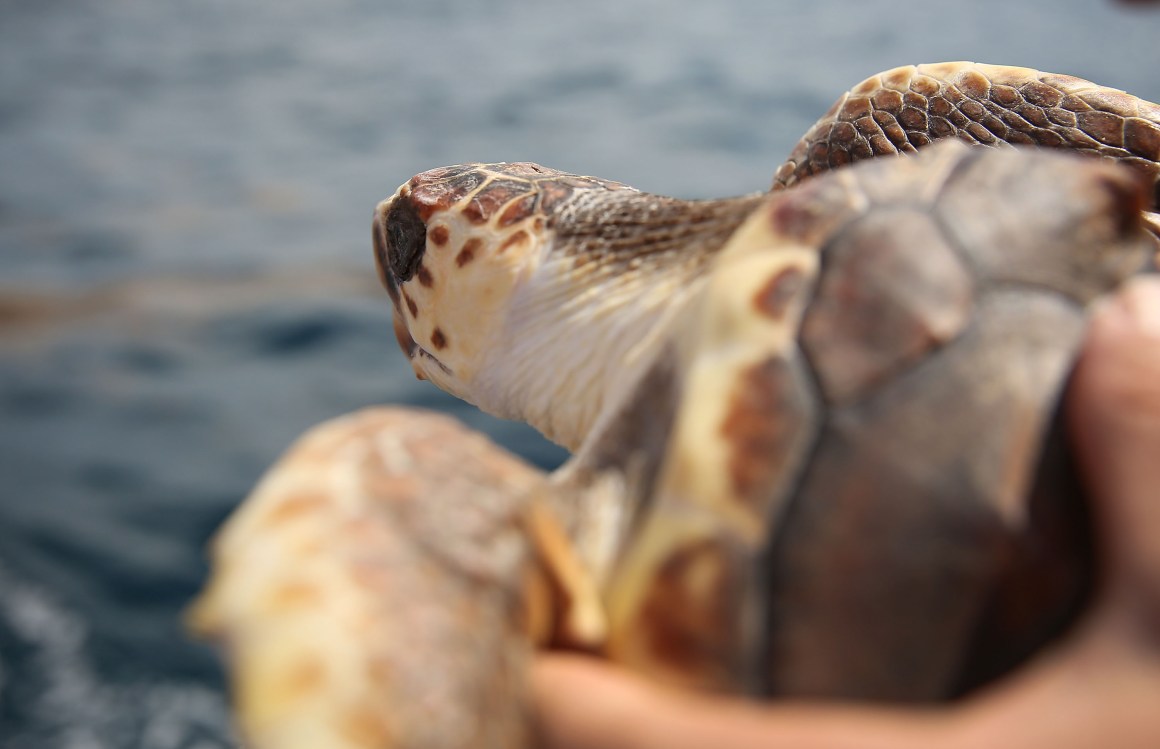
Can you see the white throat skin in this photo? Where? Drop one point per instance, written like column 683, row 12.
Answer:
column 575, row 342
column 595, row 304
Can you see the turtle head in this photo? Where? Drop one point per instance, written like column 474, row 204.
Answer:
column 523, row 290
column 451, row 252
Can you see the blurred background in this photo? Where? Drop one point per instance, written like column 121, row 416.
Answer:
column 185, row 271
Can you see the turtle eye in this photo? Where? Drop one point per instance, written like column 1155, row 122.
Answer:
column 406, row 239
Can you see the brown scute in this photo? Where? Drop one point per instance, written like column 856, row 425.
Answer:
column 688, row 618
column 424, row 277
column 887, row 101
column 431, row 196
column 1041, row 95
column 491, row 197
column 774, row 298
column 1104, row 127
column 441, row 173
column 438, row 339
column 1142, row 138
column 856, row 107
column 467, row 254
column 878, row 585
column 1005, row 96
column 520, row 237
column 1085, row 211
column 411, row 306
column 405, row 235
column 924, row 85
column 439, row 235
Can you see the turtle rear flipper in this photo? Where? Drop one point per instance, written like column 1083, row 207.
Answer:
column 377, row 590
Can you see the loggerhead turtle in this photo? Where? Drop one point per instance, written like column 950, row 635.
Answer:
column 814, row 442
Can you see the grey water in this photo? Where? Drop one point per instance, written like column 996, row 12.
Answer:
column 185, row 268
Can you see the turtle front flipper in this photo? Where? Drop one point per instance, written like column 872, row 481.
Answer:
column 378, row 590
column 865, row 494
column 901, row 110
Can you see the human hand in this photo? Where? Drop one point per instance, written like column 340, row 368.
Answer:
column 1099, row 688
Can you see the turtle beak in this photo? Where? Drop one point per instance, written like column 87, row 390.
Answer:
column 406, row 342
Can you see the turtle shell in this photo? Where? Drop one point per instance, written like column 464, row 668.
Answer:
column 866, row 493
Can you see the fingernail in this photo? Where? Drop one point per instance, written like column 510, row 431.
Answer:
column 1141, row 302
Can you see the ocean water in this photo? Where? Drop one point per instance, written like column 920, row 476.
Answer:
column 185, row 272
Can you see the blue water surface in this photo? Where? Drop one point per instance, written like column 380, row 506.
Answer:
column 185, row 273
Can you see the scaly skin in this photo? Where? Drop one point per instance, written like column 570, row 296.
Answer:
column 901, row 110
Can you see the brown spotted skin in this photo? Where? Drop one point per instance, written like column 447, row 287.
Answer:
column 906, row 108
column 860, row 432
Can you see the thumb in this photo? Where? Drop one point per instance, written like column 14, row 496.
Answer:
column 1114, row 414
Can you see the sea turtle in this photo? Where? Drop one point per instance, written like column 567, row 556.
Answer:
column 814, row 430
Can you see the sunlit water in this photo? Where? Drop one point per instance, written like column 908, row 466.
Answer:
column 185, row 279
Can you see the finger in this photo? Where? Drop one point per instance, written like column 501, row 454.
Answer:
column 1114, row 410
column 585, row 704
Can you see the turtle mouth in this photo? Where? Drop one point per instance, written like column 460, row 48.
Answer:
column 413, row 350
column 403, row 336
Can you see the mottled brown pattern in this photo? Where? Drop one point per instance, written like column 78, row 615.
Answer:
column 424, row 277
column 438, row 339
column 917, row 496
column 1091, row 213
column 892, row 290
